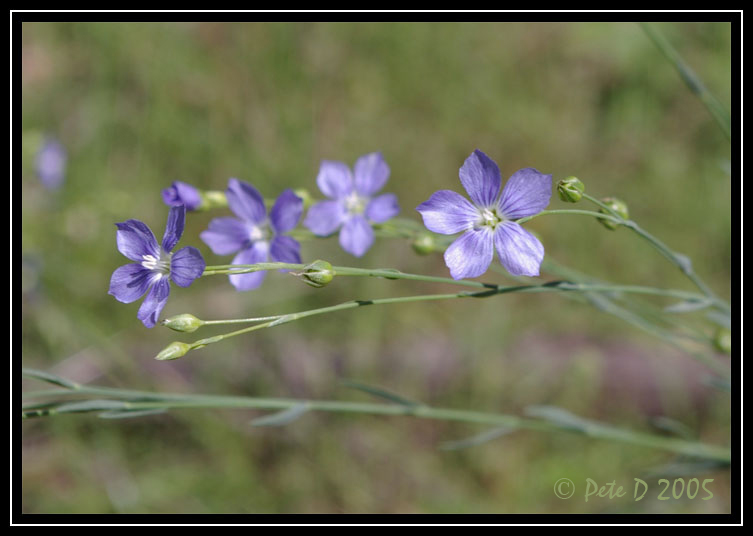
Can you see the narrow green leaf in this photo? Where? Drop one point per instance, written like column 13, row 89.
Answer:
column 687, row 306
column 478, row 439
column 560, row 417
column 672, row 426
column 380, row 393
column 49, row 378
column 39, row 405
column 721, row 319
column 127, row 414
column 282, row 418
column 92, row 405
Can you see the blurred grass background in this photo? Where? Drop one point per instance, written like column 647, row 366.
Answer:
column 140, row 105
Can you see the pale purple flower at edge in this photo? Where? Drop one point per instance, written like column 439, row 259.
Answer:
column 352, row 206
column 50, row 164
column 155, row 266
column 255, row 235
column 488, row 223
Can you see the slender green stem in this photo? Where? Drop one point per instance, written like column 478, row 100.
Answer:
column 284, row 319
column 716, row 108
column 241, row 320
column 489, row 290
column 606, row 303
column 395, row 274
column 590, row 213
column 142, row 401
column 682, row 262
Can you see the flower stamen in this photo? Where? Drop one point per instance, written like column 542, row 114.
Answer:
column 489, row 217
column 156, row 264
column 355, row 204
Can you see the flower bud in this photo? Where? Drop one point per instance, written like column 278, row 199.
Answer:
column 570, row 189
column 424, row 244
column 304, row 194
column 212, row 199
column 181, row 193
column 173, row 351
column 616, row 205
column 317, row 274
column 185, row 322
column 723, row 340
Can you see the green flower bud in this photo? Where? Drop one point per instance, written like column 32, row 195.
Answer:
column 723, row 340
column 424, row 244
column 617, row 205
column 173, row 351
column 211, row 199
column 186, row 323
column 304, row 194
column 317, row 274
column 570, row 189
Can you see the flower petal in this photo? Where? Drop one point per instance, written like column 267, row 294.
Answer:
column 519, row 251
column 325, row 217
column 334, row 179
column 258, row 252
column 287, row 211
column 481, row 179
column 176, row 221
column 356, row 236
column 128, row 283
column 371, row 172
column 526, row 193
column 382, row 208
column 245, row 201
column 448, row 212
column 135, row 240
column 285, row 249
column 471, row 254
column 226, row 235
column 181, row 193
column 154, row 303
column 186, row 266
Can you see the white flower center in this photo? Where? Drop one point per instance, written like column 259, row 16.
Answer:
column 157, row 264
column 355, row 204
column 489, row 218
column 258, row 233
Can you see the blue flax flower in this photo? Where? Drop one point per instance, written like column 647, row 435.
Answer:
column 254, row 234
column 488, row 222
column 154, row 265
column 181, row 193
column 352, row 206
column 50, row 164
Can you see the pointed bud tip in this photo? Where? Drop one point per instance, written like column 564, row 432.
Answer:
column 185, row 323
column 317, row 274
column 173, row 351
column 570, row 189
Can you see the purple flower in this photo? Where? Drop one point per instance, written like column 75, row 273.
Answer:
column 155, row 266
column 256, row 235
column 180, row 193
column 50, row 164
column 488, row 222
column 352, row 206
